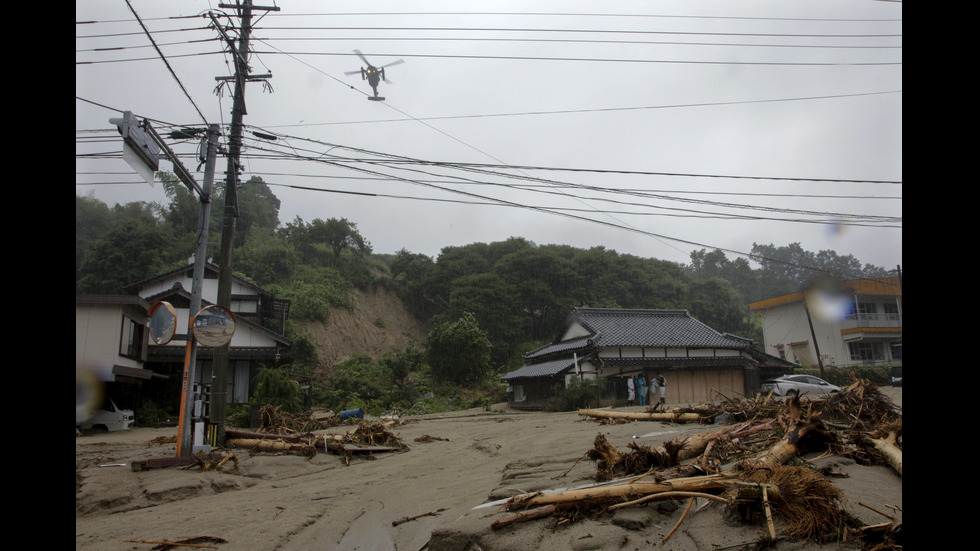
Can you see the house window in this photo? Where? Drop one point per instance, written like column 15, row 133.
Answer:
column 131, row 342
column 891, row 311
column 865, row 351
column 867, row 310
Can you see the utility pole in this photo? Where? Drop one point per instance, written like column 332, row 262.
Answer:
column 185, row 444
column 146, row 145
column 219, row 388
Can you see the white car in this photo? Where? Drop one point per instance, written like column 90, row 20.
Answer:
column 791, row 385
column 109, row 418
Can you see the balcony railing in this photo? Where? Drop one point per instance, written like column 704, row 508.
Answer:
column 889, row 320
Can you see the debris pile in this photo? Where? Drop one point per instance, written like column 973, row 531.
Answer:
column 275, row 420
column 749, row 466
column 364, row 439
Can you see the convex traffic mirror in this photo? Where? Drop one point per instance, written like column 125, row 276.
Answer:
column 214, row 326
column 163, row 322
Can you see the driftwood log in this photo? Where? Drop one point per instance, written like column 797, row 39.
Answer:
column 623, row 491
column 642, row 416
column 806, row 503
column 889, row 449
column 273, row 446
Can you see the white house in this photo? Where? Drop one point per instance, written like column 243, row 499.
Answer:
column 855, row 322
column 258, row 339
column 110, row 347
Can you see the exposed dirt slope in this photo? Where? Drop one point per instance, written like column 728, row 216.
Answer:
column 379, row 323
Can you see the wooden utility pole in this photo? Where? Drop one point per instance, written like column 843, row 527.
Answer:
column 219, row 387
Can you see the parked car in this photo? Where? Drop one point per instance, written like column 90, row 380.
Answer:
column 790, row 385
column 897, row 375
column 109, row 418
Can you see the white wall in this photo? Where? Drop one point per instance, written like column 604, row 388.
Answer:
column 97, row 331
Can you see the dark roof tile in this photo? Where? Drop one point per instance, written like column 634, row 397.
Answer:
column 651, row 328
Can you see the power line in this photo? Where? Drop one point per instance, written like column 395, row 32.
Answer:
column 586, row 31
column 406, row 164
column 165, row 62
column 536, row 14
column 597, row 110
column 604, row 60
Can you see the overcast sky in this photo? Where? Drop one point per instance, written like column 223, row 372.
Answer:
column 651, row 128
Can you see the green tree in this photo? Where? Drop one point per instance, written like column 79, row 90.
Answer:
column 183, row 213
column 410, row 273
column 341, row 235
column 706, row 265
column 130, row 251
column 312, row 291
column 359, row 378
column 273, row 387
column 92, row 220
column 267, row 259
column 547, row 286
column 256, row 210
column 495, row 306
column 322, row 241
column 459, row 352
column 716, row 303
column 453, row 263
column 792, row 268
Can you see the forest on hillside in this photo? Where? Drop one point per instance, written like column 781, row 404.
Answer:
column 513, row 294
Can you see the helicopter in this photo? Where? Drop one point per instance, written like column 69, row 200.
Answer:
column 374, row 75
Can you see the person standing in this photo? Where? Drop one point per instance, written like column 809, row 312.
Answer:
column 662, row 384
column 630, row 390
column 654, row 389
column 641, row 389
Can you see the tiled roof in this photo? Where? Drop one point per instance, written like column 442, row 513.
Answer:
column 651, row 328
column 563, row 346
column 729, row 362
column 553, row 367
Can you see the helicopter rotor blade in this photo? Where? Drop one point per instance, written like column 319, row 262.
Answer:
column 399, row 62
column 351, row 72
column 364, row 59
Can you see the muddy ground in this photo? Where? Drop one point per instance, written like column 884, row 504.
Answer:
column 293, row 503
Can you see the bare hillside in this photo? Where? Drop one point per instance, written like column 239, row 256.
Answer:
column 378, row 324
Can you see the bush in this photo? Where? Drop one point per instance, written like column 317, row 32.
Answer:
column 238, row 415
column 273, row 387
column 150, row 414
column 578, row 394
column 459, row 352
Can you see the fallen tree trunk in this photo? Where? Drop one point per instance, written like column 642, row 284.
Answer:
column 888, row 447
column 783, row 450
column 236, row 434
column 673, row 417
column 522, row 516
column 271, row 446
column 182, row 461
column 628, row 491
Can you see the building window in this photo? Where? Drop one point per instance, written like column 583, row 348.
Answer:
column 131, row 343
column 896, row 351
column 865, row 351
column 891, row 311
column 867, row 311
